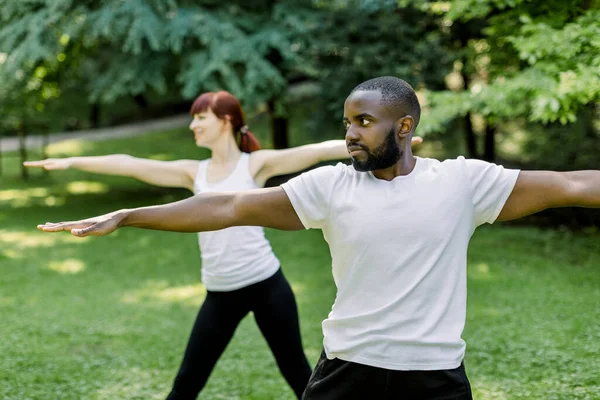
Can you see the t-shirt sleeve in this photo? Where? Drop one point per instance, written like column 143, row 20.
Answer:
column 310, row 195
column 491, row 185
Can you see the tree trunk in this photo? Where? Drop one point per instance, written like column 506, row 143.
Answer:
column 470, row 137
column 23, row 149
column 141, row 101
column 95, row 115
column 44, row 154
column 489, row 151
column 279, row 127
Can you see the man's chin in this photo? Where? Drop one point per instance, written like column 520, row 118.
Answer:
column 360, row 166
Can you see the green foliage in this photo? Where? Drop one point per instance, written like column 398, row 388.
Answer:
column 117, row 48
column 572, row 147
column 535, row 61
column 356, row 42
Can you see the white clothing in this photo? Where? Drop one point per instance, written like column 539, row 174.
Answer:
column 235, row 257
column 399, row 256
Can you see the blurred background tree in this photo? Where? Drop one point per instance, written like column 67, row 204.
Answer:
column 357, row 40
column 142, row 54
column 522, row 62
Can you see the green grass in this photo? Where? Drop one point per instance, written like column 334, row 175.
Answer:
column 108, row 318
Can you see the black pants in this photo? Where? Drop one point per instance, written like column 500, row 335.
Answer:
column 274, row 307
column 342, row 380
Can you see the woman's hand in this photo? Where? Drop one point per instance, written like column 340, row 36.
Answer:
column 50, row 164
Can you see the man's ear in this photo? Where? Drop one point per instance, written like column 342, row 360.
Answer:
column 404, row 126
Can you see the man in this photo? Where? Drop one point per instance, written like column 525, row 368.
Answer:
column 398, row 228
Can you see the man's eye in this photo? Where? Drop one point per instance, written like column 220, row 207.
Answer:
column 364, row 122
column 346, row 125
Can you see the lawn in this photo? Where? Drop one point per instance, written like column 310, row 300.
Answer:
column 108, row 318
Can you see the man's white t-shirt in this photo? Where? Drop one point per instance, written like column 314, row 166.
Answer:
column 399, row 256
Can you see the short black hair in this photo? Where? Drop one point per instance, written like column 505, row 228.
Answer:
column 396, row 95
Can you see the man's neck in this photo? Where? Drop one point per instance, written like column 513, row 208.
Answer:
column 403, row 167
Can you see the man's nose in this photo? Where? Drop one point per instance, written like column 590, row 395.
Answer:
column 351, row 135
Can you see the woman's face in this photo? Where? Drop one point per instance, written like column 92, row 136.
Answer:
column 207, row 128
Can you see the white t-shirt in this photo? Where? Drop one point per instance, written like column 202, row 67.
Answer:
column 236, row 257
column 399, row 254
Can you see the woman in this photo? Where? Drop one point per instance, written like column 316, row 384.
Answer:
column 239, row 269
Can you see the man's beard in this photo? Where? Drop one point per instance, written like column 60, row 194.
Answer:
column 384, row 156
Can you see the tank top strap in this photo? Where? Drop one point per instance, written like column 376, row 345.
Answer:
column 200, row 178
column 244, row 164
column 241, row 178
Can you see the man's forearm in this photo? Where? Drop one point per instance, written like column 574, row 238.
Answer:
column 203, row 212
column 585, row 188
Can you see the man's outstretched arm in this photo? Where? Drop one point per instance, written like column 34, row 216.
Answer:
column 204, row 212
column 538, row 190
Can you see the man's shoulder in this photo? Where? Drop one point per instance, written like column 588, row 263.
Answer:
column 449, row 163
column 338, row 170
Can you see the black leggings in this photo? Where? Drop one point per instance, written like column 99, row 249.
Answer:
column 274, row 307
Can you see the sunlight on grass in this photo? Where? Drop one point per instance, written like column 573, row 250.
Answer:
column 28, row 197
column 487, row 391
column 23, row 197
column 84, row 187
column 6, row 301
column 33, row 238
column 193, row 293
column 67, row 267
column 491, row 312
column 298, row 288
column 480, row 271
column 11, row 253
column 53, row 201
column 160, row 292
column 161, row 157
column 138, row 383
column 70, row 147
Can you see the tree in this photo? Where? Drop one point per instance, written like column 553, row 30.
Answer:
column 531, row 61
column 120, row 48
column 353, row 41
column 23, row 99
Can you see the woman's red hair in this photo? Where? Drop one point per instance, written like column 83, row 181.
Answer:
column 224, row 104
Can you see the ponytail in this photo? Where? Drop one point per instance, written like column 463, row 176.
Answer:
column 248, row 142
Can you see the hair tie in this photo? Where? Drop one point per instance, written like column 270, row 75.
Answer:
column 244, row 129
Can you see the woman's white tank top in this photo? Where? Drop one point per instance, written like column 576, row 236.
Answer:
column 235, row 257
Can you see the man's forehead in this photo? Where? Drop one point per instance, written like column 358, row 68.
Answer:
column 363, row 101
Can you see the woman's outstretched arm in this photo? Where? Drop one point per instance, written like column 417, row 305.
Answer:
column 178, row 173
